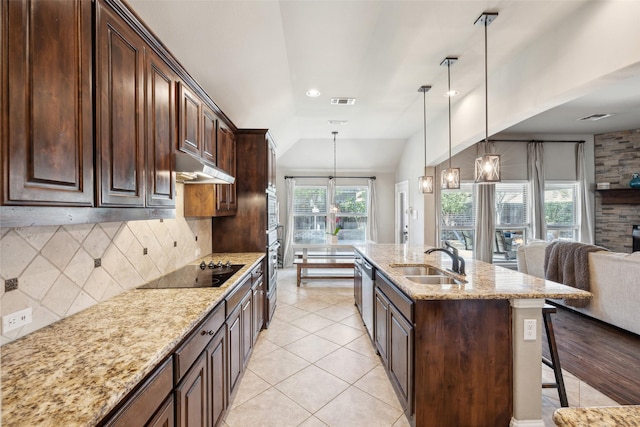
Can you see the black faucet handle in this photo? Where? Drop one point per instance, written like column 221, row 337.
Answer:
column 453, row 249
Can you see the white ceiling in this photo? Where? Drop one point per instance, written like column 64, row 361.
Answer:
column 258, row 58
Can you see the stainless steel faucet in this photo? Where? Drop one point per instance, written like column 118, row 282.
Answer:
column 457, row 262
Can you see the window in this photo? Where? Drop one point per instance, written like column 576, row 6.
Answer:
column 458, row 216
column 458, row 219
column 352, row 215
column 560, row 207
column 310, row 214
column 313, row 222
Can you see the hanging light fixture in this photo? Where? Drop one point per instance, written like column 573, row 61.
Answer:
column 450, row 176
column 487, row 166
column 425, row 182
column 334, row 207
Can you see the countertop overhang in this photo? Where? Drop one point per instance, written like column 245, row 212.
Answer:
column 482, row 280
column 75, row 372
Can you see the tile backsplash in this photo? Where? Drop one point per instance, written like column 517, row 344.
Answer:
column 62, row 270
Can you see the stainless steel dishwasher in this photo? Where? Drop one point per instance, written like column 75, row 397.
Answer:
column 368, row 278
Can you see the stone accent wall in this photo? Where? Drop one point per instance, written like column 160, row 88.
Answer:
column 57, row 270
column 617, row 157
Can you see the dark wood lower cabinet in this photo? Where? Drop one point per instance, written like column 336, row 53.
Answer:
column 235, row 348
column 449, row 361
column 191, row 396
column 217, row 357
column 247, row 327
column 165, row 417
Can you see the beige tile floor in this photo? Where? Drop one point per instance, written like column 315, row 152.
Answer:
column 315, row 366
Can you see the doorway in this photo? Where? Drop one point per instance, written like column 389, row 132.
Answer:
column 402, row 213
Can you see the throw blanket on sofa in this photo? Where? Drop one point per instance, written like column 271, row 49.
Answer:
column 568, row 263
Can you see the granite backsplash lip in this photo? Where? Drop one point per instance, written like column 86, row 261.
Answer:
column 75, row 371
column 482, row 280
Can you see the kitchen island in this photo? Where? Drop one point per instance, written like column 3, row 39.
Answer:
column 77, row 371
column 453, row 346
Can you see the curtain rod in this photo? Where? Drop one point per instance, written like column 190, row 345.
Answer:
column 330, row 177
column 537, row 140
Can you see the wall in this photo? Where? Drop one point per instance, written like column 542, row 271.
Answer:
column 55, row 265
column 617, row 156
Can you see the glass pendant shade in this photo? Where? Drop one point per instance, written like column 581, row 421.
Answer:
column 487, row 169
column 451, row 178
column 425, row 183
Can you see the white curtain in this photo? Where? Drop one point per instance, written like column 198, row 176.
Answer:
column 288, row 232
column 372, row 223
column 585, row 218
column 485, row 226
column 535, row 173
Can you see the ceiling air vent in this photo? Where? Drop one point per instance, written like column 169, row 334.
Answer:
column 594, row 117
column 343, row 101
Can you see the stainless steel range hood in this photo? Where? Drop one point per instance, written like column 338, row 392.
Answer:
column 190, row 170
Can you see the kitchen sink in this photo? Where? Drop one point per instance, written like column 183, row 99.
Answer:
column 438, row 279
column 416, row 270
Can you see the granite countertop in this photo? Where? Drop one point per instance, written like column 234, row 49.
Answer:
column 482, row 280
column 603, row 416
column 75, row 371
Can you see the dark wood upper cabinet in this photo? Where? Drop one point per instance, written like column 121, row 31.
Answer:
column 209, row 135
column 161, row 131
column 226, row 194
column 119, row 111
column 189, row 122
column 47, row 103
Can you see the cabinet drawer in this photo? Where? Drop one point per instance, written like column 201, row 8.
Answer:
column 140, row 407
column 234, row 298
column 402, row 303
column 197, row 341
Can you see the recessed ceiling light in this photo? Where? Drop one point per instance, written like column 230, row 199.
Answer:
column 343, row 101
column 338, row 122
column 451, row 93
column 313, row 93
column 594, row 117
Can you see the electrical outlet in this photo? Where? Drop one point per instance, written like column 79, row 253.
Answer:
column 530, row 326
column 15, row 320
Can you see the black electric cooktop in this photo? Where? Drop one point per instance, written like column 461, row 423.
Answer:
column 195, row 276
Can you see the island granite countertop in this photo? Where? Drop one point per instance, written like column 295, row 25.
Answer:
column 482, row 280
column 601, row 416
column 75, row 371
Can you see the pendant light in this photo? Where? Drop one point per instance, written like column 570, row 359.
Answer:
column 425, row 182
column 450, row 178
column 334, row 208
column 487, row 166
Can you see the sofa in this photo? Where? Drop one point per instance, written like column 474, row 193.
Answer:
column 614, row 280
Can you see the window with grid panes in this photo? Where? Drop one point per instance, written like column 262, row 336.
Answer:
column 352, row 213
column 560, row 210
column 310, row 214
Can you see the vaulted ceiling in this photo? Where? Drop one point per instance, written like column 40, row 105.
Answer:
column 257, row 59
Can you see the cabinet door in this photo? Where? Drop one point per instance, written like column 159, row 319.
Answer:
column 235, row 349
column 119, row 111
column 258, row 307
column 247, row 327
column 47, row 106
column 191, row 396
column 357, row 287
column 381, row 312
column 401, row 356
column 165, row 417
column 226, row 194
column 161, row 133
column 209, row 135
column 217, row 356
column 189, row 122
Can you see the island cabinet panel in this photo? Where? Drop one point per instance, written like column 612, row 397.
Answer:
column 47, row 103
column 161, row 131
column 119, row 111
column 381, row 314
column 401, row 357
column 165, row 417
column 463, row 361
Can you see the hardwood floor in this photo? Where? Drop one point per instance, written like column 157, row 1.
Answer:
column 601, row 355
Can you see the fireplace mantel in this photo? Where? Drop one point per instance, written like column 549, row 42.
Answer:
column 620, row 196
